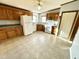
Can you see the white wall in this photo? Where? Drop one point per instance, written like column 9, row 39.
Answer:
column 75, row 47
column 69, row 7
column 74, row 51
column 35, row 17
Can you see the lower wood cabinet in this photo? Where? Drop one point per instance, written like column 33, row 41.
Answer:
column 40, row 27
column 53, row 30
column 3, row 36
column 19, row 31
column 11, row 34
column 6, row 33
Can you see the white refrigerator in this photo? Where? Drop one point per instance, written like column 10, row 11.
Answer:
column 28, row 25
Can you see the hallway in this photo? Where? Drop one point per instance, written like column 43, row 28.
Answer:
column 38, row 45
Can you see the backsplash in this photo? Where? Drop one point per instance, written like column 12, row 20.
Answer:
column 9, row 22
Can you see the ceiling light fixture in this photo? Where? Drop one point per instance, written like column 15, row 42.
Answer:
column 39, row 7
column 39, row 4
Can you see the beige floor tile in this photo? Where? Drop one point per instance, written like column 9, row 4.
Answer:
column 38, row 45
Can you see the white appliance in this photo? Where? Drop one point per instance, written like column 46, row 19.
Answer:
column 28, row 25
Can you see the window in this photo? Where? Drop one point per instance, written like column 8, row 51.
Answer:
column 43, row 18
column 34, row 18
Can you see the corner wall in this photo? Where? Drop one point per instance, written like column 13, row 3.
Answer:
column 74, row 50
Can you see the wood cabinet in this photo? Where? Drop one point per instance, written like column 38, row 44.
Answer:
column 52, row 16
column 40, row 27
column 3, row 36
column 19, row 31
column 53, row 30
column 12, row 13
column 11, row 34
column 8, row 14
column 3, row 13
column 6, row 33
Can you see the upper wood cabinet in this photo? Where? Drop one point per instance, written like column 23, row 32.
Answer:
column 16, row 15
column 3, row 13
column 11, row 13
column 52, row 16
column 8, row 14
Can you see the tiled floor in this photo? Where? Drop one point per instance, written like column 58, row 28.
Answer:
column 38, row 45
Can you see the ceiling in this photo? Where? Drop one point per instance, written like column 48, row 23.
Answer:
column 32, row 5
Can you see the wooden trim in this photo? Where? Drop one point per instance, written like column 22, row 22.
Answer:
column 51, row 10
column 73, row 24
column 70, row 11
column 68, row 2
column 75, row 29
column 13, row 7
column 59, row 24
column 73, row 21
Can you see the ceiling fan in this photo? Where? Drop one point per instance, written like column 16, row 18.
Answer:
column 39, row 4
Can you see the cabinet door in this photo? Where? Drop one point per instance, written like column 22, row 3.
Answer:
column 10, row 14
column 11, row 34
column 19, row 31
column 3, row 15
column 16, row 15
column 40, row 27
column 3, row 36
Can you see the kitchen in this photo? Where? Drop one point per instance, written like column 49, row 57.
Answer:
column 49, row 21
